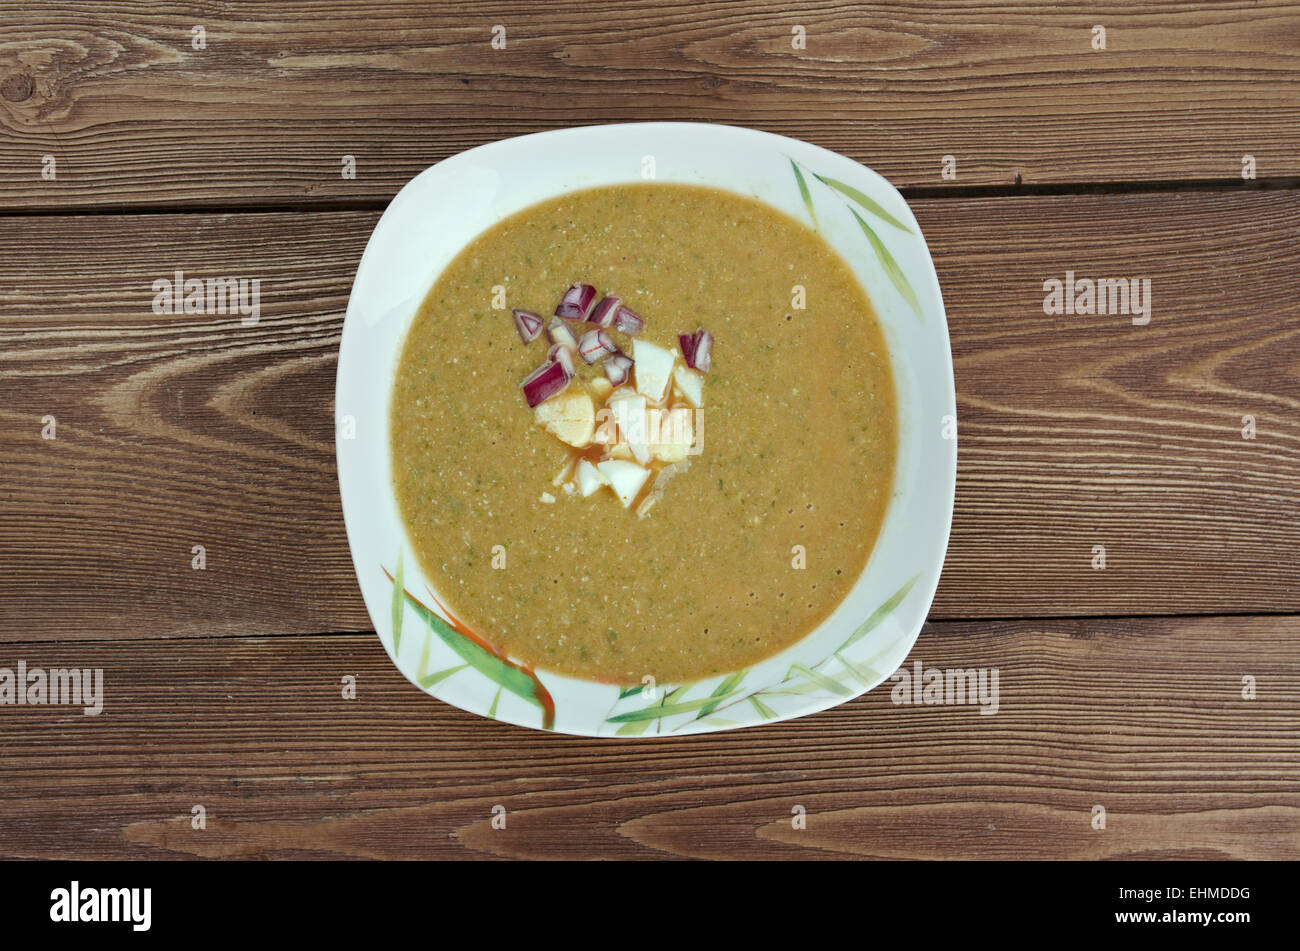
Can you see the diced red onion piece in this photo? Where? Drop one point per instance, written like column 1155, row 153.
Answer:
column 528, row 324
column 577, row 302
column 603, row 313
column 562, row 355
column 702, row 352
column 618, row 368
column 627, row 321
column 560, row 333
column 697, row 350
column 544, row 382
column 596, row 345
column 538, row 372
column 688, row 348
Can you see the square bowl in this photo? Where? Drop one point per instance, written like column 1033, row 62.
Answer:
column 862, row 216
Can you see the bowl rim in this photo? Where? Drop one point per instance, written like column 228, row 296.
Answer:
column 919, row 276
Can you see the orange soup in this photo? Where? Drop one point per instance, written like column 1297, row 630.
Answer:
column 687, row 503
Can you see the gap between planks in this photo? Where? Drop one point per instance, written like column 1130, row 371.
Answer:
column 909, row 192
column 1043, row 623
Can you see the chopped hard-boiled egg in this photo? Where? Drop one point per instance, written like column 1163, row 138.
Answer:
column 630, row 414
column 653, row 370
column 672, row 432
column 625, row 478
column 690, row 384
column 570, row 417
column 589, row 478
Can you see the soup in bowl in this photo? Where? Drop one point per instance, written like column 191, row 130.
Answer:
column 646, row 429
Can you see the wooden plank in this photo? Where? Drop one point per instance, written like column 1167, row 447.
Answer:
column 1080, row 431
column 1144, row 717
column 134, row 115
column 173, row 431
column 177, row 431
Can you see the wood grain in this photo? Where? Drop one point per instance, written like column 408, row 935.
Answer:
column 177, row 431
column 223, row 686
column 1078, row 431
column 1144, row 717
column 134, row 115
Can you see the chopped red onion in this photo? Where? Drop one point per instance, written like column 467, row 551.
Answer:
column 627, row 321
column 697, row 350
column 596, row 345
column 528, row 324
column 577, row 302
column 687, row 342
column 544, row 382
column 618, row 368
column 703, row 358
column 563, row 355
column 561, row 334
column 538, row 372
column 603, row 314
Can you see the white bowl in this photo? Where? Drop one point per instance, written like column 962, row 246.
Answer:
column 442, row 209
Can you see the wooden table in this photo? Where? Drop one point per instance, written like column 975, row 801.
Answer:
column 1163, row 688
